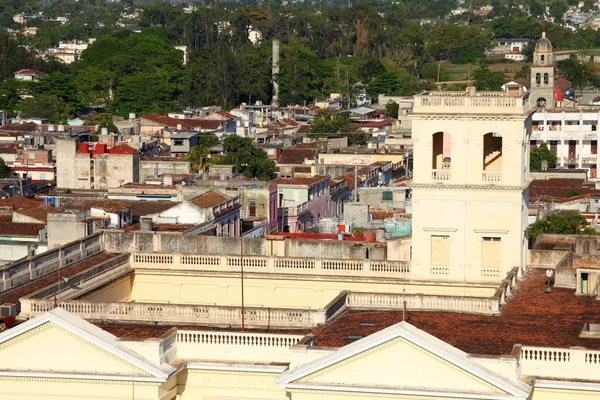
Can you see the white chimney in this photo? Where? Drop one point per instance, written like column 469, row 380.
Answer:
column 179, row 127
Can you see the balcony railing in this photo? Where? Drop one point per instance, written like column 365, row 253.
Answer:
column 273, row 265
column 441, row 175
column 235, row 346
column 564, row 363
column 227, row 316
column 491, row 176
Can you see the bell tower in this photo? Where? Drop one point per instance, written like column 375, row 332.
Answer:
column 542, row 73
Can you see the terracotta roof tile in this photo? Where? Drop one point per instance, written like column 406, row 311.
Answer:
column 13, row 295
column 19, row 203
column 557, row 188
column 143, row 331
column 531, row 317
column 297, row 154
column 302, row 181
column 209, row 199
column 20, row 229
column 40, row 213
column 138, row 208
column 164, row 120
column 122, row 149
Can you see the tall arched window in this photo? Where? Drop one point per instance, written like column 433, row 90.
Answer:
column 546, row 78
column 441, row 150
column 538, row 78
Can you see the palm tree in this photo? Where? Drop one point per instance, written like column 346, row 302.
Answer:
column 197, row 156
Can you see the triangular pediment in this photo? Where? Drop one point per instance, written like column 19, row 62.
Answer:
column 61, row 343
column 401, row 360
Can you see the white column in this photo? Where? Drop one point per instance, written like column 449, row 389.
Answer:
column 579, row 150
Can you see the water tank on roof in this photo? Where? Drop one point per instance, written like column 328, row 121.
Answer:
column 84, row 147
column 168, row 180
column 61, row 128
column 105, row 131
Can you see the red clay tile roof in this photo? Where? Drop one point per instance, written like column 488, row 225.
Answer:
column 302, row 181
column 8, row 148
column 164, row 120
column 209, row 199
column 143, row 331
column 40, row 213
column 29, row 72
column 557, row 188
column 19, row 203
column 122, row 149
column 226, row 114
column 13, row 295
column 27, row 127
column 20, row 229
column 138, row 208
column 349, row 178
column 304, row 129
column 531, row 317
column 297, row 154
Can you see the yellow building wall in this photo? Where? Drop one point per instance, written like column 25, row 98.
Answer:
column 116, row 291
column 559, row 394
column 76, row 389
column 229, row 385
column 274, row 292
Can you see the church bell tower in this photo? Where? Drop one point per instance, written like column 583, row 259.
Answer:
column 542, row 74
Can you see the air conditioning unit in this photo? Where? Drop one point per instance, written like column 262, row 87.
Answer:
column 8, row 309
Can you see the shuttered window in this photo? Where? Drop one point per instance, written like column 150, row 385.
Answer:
column 440, row 250
column 491, row 248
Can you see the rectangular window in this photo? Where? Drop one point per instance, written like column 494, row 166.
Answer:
column 178, row 142
column 491, row 248
column 440, row 250
column 387, row 196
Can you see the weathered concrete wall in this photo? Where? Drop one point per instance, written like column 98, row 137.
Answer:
column 114, row 170
column 152, row 168
column 120, row 241
column 548, row 258
column 64, row 228
column 115, row 240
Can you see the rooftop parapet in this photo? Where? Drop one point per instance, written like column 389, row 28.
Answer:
column 472, row 102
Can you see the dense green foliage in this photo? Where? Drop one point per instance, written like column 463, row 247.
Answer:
column 487, row 80
column 541, row 152
column 250, row 161
column 569, row 223
column 396, row 48
column 5, row 171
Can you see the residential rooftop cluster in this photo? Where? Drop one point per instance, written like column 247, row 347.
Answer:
column 240, row 253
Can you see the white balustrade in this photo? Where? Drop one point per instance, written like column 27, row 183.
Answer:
column 564, row 363
column 491, row 176
column 441, row 175
column 279, row 265
column 479, row 305
column 179, row 313
column 235, row 346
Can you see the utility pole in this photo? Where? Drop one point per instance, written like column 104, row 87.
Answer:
column 242, row 273
column 355, row 183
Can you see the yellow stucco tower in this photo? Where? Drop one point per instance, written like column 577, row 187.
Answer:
column 470, row 187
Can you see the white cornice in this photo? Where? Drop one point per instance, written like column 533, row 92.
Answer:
column 277, row 369
column 430, row 229
column 404, row 392
column 566, row 385
column 100, row 377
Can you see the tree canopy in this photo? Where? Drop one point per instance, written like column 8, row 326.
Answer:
column 250, row 161
column 569, row 223
column 540, row 153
